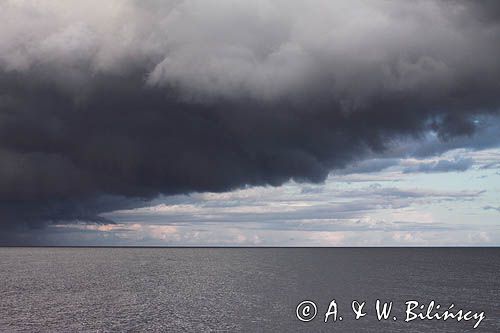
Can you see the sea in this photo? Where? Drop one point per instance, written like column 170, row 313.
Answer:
column 246, row 289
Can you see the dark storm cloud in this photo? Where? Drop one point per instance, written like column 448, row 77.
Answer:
column 486, row 135
column 136, row 99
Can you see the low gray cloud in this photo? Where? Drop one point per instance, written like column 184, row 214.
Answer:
column 272, row 209
column 459, row 164
column 369, row 166
column 491, row 208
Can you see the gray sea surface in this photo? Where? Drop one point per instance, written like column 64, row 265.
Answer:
column 240, row 289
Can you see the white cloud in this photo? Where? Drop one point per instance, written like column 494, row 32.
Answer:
column 263, row 48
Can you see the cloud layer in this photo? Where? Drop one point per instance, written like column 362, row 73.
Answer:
column 131, row 99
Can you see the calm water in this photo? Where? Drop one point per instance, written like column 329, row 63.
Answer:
column 249, row 290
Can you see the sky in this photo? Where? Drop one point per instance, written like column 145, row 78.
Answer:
column 262, row 123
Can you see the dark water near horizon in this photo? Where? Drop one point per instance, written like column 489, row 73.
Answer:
column 240, row 290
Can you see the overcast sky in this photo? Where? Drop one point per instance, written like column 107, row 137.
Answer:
column 266, row 122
